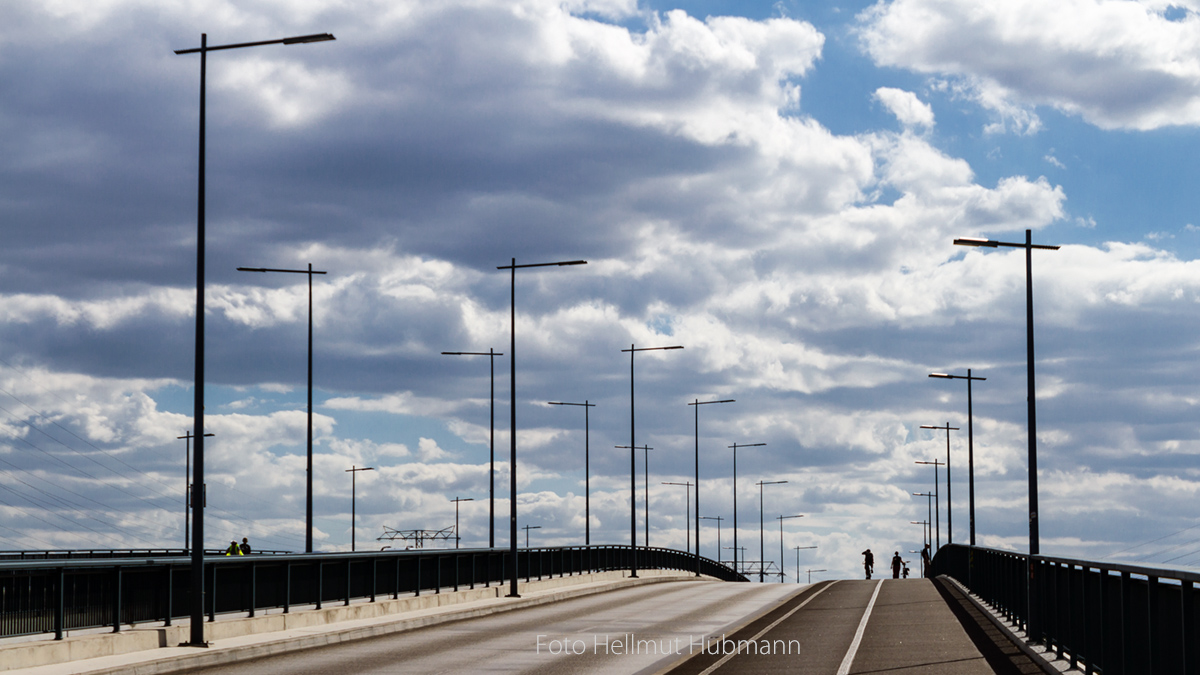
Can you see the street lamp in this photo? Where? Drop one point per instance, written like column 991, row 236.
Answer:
column 687, row 515
column 718, row 519
column 512, row 412
column 762, row 551
column 492, row 354
column 781, row 519
column 353, row 471
column 196, row 635
column 308, row 500
column 187, row 488
column 527, row 528
column 697, row 403
column 798, row 549
column 633, row 501
column 929, row 518
column 970, row 446
column 810, row 575
column 1034, row 537
column 937, row 507
column 735, row 446
column 924, row 546
column 632, row 468
column 949, row 501
column 587, row 489
column 456, row 501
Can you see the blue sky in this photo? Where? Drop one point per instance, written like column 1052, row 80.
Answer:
column 775, row 186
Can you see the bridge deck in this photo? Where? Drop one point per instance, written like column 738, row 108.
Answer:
column 891, row 626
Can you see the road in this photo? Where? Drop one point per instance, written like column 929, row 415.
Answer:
column 639, row 629
column 699, row 627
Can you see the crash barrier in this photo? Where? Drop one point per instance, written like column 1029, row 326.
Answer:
column 68, row 594
column 1099, row 616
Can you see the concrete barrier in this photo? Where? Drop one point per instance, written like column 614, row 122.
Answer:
column 408, row 613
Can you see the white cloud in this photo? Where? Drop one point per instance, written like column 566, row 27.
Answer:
column 1116, row 64
column 908, row 109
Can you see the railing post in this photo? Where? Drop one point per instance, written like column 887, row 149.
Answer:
column 253, row 588
column 1187, row 615
column 374, row 576
column 1126, row 620
column 116, row 617
column 287, row 588
column 1151, row 620
column 60, row 609
column 320, row 583
column 170, row 593
column 348, row 578
column 212, row 600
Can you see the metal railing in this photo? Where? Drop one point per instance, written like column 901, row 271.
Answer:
column 1108, row 617
column 42, row 596
column 72, row 554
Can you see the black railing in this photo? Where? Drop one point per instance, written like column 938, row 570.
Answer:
column 69, row 594
column 109, row 553
column 1115, row 618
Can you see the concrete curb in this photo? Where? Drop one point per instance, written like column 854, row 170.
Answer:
column 162, row 660
column 1035, row 656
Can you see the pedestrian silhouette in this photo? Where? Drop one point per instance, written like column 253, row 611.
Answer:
column 245, row 547
column 868, row 562
column 897, row 563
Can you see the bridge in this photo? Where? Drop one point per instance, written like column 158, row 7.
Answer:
column 580, row 611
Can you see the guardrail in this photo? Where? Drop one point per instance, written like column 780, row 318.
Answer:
column 71, row 594
column 72, row 554
column 1108, row 617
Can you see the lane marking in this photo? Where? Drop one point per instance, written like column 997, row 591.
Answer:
column 862, row 627
column 797, row 608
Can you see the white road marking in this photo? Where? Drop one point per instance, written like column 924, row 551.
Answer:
column 862, row 627
column 718, row 664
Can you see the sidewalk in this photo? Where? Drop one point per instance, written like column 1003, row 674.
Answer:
column 152, row 650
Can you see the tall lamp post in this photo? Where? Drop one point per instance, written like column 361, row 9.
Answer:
column 1029, row 246
column 527, row 528
column 492, row 354
column 457, row 501
column 512, row 412
column 687, row 514
column 632, row 459
column 924, row 545
column 762, row 551
column 949, row 493
column 587, row 485
column 1031, row 398
column 970, row 445
column 718, row 519
column 187, row 489
column 353, row 471
column 308, row 498
column 929, row 518
column 781, row 519
column 735, row 446
column 937, row 508
column 798, row 549
column 196, row 635
column 810, row 574
column 696, row 404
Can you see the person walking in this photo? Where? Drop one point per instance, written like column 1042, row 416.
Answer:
column 927, row 562
column 868, row 562
column 245, row 547
column 897, row 563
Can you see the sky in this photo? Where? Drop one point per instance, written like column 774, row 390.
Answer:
column 775, row 186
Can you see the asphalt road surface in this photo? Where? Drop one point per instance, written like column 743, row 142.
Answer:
column 633, row 630
column 687, row 628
